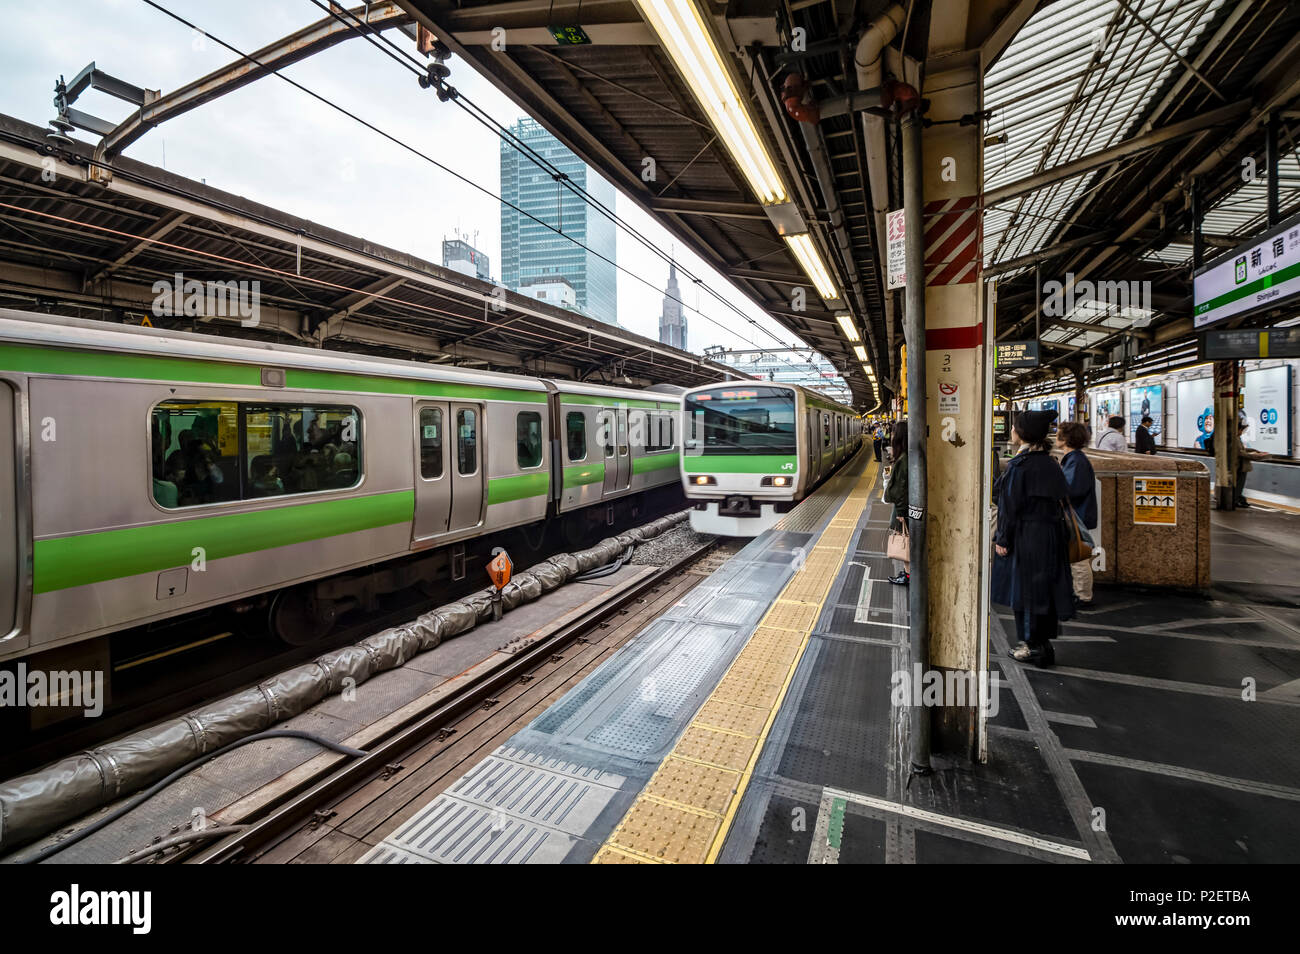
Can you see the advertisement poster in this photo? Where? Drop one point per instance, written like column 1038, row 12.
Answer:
column 1268, row 409
column 1195, row 412
column 1070, row 416
column 1147, row 402
column 1105, row 404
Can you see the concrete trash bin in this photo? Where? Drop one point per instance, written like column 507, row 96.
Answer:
column 1154, row 515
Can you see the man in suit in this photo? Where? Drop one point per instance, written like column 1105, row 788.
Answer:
column 1143, row 442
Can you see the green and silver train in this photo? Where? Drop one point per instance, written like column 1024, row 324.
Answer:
column 753, row 451
column 146, row 474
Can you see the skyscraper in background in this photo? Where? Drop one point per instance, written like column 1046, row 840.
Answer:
column 672, row 323
column 531, row 250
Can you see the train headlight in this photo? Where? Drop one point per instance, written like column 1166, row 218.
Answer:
column 701, row 480
column 776, row 482
column 780, row 481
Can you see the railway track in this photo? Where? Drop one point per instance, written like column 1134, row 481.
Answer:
column 304, row 811
column 202, row 662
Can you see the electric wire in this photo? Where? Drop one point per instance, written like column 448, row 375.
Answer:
column 404, row 145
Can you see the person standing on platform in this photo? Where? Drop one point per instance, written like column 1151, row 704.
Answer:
column 1030, row 571
column 1244, row 466
column 1143, row 442
column 877, row 440
column 1113, row 438
column 896, row 491
column 1083, row 498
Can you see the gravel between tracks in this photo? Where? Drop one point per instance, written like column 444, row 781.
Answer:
column 669, row 546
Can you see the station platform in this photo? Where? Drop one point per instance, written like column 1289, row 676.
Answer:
column 752, row 722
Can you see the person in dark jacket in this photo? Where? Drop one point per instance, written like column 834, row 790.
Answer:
column 1083, row 498
column 1143, row 442
column 896, row 490
column 877, row 439
column 1031, row 569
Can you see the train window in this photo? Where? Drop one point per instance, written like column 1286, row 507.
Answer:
column 826, row 430
column 839, row 429
column 208, row 452
column 608, row 424
column 466, row 441
column 528, row 439
column 655, row 432
column 576, row 429
column 430, row 443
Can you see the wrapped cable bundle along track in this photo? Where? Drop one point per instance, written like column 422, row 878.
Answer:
column 35, row 804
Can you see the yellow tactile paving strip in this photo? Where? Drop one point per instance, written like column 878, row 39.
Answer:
column 685, row 811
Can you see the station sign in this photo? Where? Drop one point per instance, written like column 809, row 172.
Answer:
column 1239, row 344
column 1263, row 273
column 567, row 35
column 1017, row 354
column 896, row 231
column 1155, row 501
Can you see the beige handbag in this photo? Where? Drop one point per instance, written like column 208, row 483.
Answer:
column 899, row 546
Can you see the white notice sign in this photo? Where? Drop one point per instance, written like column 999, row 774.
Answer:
column 949, row 398
column 897, row 249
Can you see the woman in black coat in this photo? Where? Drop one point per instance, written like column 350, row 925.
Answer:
column 1031, row 572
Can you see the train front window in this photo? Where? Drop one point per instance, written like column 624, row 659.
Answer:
column 759, row 420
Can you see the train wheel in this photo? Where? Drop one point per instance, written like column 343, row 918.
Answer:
column 298, row 618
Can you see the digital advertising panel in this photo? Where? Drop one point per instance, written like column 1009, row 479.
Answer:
column 1104, row 405
column 1195, row 412
column 1268, row 410
column 1147, row 401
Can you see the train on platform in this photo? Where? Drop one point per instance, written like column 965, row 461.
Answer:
column 751, row 452
column 147, row 474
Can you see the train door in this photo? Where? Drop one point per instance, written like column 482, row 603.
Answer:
column 448, row 468
column 468, row 482
column 432, row 474
column 9, row 463
column 814, row 446
column 618, row 460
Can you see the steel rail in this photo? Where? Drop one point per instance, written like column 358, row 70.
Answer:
column 335, row 783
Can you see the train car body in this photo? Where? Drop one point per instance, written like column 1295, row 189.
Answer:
column 753, row 451
column 147, row 474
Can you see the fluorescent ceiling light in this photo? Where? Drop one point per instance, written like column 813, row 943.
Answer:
column 861, row 352
column 685, row 34
column 813, row 266
column 847, row 326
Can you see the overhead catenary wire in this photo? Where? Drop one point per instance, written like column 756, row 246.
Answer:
column 425, row 156
column 413, row 64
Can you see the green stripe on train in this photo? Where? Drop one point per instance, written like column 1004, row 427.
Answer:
column 739, row 464
column 579, row 475
column 652, row 462
column 94, row 557
column 32, row 359
column 506, row 489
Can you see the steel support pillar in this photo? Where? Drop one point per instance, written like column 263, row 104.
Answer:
column 917, row 425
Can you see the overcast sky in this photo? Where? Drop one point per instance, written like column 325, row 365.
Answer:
column 274, row 144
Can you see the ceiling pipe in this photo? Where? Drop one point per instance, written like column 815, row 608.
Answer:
column 869, row 63
column 795, row 97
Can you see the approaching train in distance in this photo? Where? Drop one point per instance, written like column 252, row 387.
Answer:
column 146, row 474
column 751, row 452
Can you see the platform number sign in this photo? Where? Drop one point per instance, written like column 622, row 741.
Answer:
column 1155, row 501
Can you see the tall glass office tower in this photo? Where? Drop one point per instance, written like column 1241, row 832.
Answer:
column 530, row 249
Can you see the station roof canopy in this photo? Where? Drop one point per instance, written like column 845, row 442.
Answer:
column 617, row 100
column 1105, row 115
column 91, row 249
